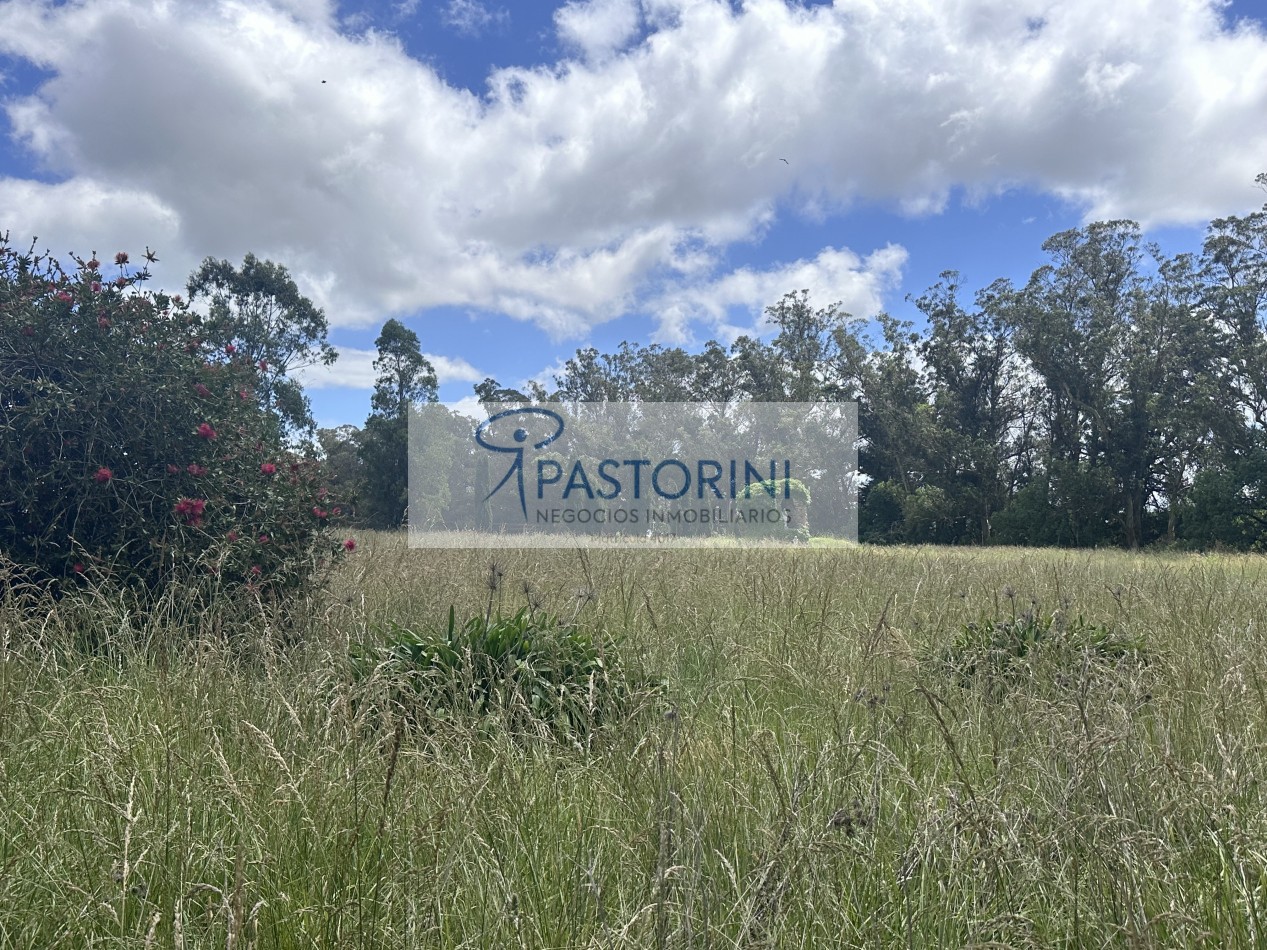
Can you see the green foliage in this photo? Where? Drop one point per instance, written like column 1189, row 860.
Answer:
column 275, row 327
column 531, row 670
column 880, row 513
column 134, row 450
column 793, row 510
column 997, row 654
column 405, row 377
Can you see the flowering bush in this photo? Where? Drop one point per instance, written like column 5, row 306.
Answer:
column 133, row 448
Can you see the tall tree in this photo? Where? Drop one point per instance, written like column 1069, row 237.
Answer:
column 405, row 377
column 259, row 312
column 977, row 400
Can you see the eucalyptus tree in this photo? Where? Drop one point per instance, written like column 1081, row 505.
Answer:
column 258, row 314
column 405, row 377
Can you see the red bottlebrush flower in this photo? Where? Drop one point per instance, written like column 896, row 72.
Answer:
column 191, row 510
column 349, row 544
column 243, row 395
column 173, row 469
column 319, row 512
column 64, row 297
column 264, row 365
column 96, row 286
column 337, row 512
column 268, row 468
column 121, row 258
column 206, row 432
column 177, row 298
column 77, row 568
column 102, row 475
column 202, row 390
column 263, row 539
column 230, row 348
column 103, row 323
column 120, row 281
column 196, row 470
column 256, row 570
column 94, row 264
column 232, row 536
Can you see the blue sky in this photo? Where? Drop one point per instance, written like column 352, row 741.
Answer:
column 518, row 180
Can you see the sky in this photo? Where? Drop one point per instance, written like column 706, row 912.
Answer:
column 514, row 181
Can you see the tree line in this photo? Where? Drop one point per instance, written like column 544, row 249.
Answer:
column 1117, row 397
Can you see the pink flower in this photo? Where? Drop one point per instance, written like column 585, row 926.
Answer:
column 196, row 470
column 337, row 512
column 94, row 264
column 256, row 571
column 64, row 297
column 96, row 286
column 102, row 475
column 319, row 512
column 349, row 544
column 103, row 323
column 173, row 469
column 232, row 536
column 121, row 258
column 263, row 539
column 77, row 568
column 268, row 468
column 230, row 348
column 243, row 395
column 191, row 510
column 206, row 432
column 202, row 390
column 264, row 365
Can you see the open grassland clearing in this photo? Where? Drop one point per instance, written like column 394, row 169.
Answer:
column 852, row 746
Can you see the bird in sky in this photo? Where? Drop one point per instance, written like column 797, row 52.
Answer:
column 785, row 161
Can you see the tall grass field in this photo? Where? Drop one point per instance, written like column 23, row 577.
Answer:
column 810, row 748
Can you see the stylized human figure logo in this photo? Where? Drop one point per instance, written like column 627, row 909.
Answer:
column 520, row 436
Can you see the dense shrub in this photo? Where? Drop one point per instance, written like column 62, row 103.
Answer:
column 529, row 670
column 760, row 497
column 134, row 445
column 997, row 654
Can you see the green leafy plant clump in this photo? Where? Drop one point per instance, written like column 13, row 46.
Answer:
column 534, row 671
column 997, row 654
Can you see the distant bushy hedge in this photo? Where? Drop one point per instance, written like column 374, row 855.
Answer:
column 134, row 444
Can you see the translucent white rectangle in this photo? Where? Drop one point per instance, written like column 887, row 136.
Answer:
column 633, row 474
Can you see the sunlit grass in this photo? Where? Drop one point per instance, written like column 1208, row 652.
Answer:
column 809, row 779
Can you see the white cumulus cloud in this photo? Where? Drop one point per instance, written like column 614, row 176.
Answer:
column 616, row 180
column 354, row 369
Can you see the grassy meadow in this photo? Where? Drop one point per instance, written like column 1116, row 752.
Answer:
column 833, row 761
